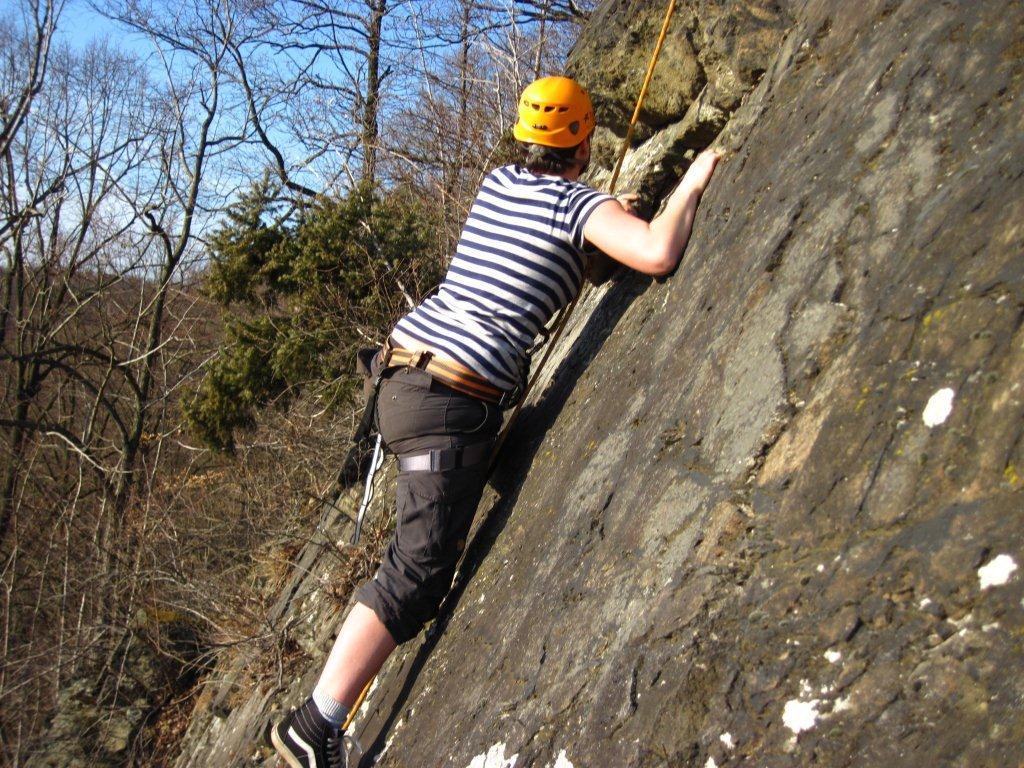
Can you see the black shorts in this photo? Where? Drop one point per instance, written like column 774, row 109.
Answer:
column 415, row 414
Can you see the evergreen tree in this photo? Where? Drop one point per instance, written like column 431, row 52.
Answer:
column 300, row 299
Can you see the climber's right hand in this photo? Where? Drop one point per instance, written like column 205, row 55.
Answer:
column 654, row 248
column 699, row 173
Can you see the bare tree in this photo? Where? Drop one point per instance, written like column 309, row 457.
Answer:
column 24, row 76
column 76, row 149
column 68, row 269
column 106, row 185
column 467, row 63
column 323, row 66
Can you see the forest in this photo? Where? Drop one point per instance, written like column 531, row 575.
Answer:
column 203, row 214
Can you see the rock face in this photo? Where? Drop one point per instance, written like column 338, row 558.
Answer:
column 714, row 53
column 769, row 511
column 748, row 521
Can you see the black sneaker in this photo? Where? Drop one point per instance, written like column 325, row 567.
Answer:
column 306, row 740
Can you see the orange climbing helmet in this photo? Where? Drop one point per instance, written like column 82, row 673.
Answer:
column 555, row 112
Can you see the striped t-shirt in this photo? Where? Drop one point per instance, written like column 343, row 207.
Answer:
column 519, row 260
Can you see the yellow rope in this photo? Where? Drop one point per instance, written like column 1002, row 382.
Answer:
column 564, row 315
column 643, row 95
column 358, row 704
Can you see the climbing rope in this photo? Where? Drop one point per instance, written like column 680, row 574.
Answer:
column 567, row 312
column 359, row 702
column 643, row 95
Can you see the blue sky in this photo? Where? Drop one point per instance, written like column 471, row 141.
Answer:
column 79, row 24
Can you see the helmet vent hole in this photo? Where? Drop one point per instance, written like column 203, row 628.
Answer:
column 563, row 109
column 548, row 108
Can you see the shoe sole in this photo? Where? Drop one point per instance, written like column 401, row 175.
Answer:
column 282, row 750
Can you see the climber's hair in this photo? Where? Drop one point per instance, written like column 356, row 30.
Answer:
column 541, row 159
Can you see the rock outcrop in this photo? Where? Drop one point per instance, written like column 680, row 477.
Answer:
column 98, row 724
column 714, row 53
column 769, row 511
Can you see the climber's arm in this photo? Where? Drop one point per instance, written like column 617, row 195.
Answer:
column 655, row 248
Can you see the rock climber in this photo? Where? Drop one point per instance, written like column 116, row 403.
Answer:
column 454, row 362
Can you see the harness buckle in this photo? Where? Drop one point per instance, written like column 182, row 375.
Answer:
column 440, row 460
column 421, row 359
column 510, row 397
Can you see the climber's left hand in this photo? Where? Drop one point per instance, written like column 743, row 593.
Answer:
column 628, row 201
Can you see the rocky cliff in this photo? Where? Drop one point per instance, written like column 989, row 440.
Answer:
column 769, row 511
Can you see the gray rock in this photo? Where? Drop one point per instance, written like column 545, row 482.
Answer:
column 845, row 260
column 718, row 49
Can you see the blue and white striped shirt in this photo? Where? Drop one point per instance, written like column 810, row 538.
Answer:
column 519, row 260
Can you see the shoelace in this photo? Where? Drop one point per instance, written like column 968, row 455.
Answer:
column 336, row 751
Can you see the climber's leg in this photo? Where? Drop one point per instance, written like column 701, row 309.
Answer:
column 435, row 509
column 362, row 647
column 434, row 514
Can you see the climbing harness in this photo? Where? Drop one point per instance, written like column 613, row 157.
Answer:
column 350, row 468
column 454, row 375
column 362, row 435
column 440, row 459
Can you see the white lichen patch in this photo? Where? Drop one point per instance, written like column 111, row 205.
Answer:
column 388, row 743
column 940, row 405
column 832, row 656
column 925, row 602
column 561, row 761
column 841, row 705
column 800, row 716
column 711, row 763
column 996, row 571
column 726, row 738
column 493, row 758
column 963, row 621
